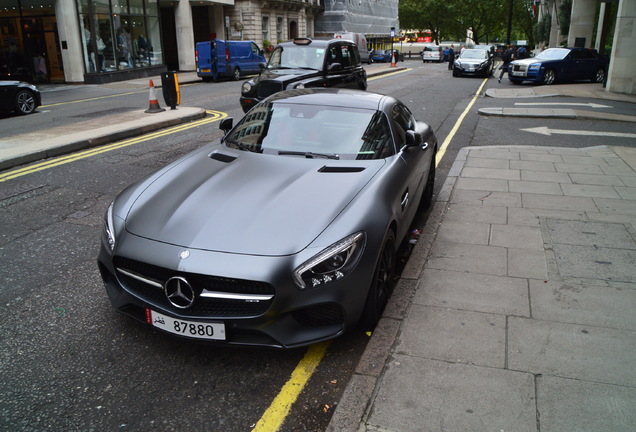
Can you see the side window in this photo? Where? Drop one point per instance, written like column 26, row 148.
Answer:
column 403, row 121
column 332, row 55
column 377, row 143
column 346, row 56
column 255, row 49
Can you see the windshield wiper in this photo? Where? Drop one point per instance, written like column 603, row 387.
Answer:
column 309, row 155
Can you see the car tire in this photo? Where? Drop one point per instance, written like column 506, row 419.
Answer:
column 549, row 77
column 362, row 84
column 427, row 195
column 236, row 74
column 382, row 284
column 515, row 81
column 599, row 76
column 24, row 102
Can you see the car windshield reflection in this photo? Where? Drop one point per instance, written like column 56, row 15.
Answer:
column 313, row 131
column 553, row 54
column 474, row 54
column 297, row 57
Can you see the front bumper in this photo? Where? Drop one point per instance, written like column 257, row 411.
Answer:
column 524, row 73
column 291, row 318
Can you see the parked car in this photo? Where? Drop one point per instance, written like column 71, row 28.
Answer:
column 474, row 62
column 361, row 42
column 282, row 234
column 19, row 97
column 305, row 63
column 230, row 59
column 560, row 64
column 432, row 54
column 384, row 56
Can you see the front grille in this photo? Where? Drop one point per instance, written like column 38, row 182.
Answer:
column 321, row 315
column 268, row 88
column 203, row 306
column 519, row 68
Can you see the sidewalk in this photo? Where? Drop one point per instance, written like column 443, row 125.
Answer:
column 516, row 309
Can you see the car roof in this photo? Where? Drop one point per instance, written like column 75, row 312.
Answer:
column 346, row 98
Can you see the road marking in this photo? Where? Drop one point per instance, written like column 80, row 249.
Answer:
column 544, row 130
column 389, row 74
column 589, row 105
column 280, row 407
column 451, row 135
column 50, row 163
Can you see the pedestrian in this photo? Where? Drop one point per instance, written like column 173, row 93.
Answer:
column 445, row 54
column 451, row 57
column 508, row 56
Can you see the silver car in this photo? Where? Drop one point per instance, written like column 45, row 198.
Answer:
column 282, row 234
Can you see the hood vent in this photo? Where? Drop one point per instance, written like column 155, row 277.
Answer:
column 222, row 157
column 339, row 169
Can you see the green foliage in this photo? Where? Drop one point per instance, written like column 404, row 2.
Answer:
column 565, row 12
column 450, row 19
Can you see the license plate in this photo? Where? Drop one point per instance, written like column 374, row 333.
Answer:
column 205, row 70
column 518, row 74
column 192, row 329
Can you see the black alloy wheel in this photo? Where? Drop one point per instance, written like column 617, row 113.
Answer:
column 237, row 74
column 599, row 76
column 382, row 284
column 24, row 102
column 427, row 195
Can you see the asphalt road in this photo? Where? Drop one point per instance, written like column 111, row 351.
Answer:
column 70, row 363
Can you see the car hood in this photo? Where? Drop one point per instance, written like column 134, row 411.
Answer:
column 472, row 61
column 532, row 60
column 247, row 203
column 288, row 74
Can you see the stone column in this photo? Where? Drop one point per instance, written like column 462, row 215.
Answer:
column 621, row 78
column 68, row 29
column 582, row 23
column 185, row 35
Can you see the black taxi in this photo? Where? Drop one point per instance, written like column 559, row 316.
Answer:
column 303, row 63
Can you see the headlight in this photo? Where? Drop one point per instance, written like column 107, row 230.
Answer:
column 458, row 63
column 331, row 264
column 534, row 66
column 246, row 87
column 299, row 86
column 109, row 227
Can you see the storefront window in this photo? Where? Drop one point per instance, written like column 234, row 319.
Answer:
column 129, row 38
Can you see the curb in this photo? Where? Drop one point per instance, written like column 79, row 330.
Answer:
column 96, row 141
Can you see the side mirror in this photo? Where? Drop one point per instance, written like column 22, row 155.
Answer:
column 226, row 124
column 413, row 139
column 262, row 66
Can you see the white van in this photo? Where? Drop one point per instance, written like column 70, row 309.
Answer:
column 360, row 40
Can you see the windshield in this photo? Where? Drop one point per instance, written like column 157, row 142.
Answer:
column 313, row 131
column 553, row 54
column 474, row 54
column 297, row 56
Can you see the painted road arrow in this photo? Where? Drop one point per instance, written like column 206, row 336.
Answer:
column 544, row 130
column 589, row 105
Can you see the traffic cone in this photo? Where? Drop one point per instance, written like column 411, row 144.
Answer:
column 393, row 59
column 153, row 107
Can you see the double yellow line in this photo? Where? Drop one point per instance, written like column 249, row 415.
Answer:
column 213, row 116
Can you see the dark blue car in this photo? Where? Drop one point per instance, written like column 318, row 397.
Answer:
column 560, row 64
column 385, row 56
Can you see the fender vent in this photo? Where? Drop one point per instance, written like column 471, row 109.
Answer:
column 337, row 169
column 222, row 157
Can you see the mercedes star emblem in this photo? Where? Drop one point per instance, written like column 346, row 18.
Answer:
column 179, row 292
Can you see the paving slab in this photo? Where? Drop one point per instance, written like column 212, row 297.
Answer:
column 567, row 405
column 466, row 257
column 437, row 396
column 476, row 292
column 577, row 351
column 570, row 301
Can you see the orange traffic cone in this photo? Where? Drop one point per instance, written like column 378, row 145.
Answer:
column 153, row 107
column 393, row 59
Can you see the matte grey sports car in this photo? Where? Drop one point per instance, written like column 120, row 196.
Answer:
column 282, row 234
